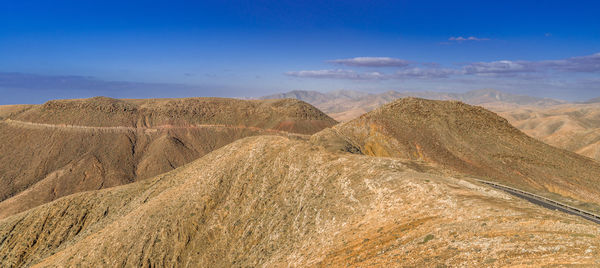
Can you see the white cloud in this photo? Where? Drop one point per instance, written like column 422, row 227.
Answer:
column 337, row 74
column 584, row 64
column 470, row 38
column 498, row 67
column 372, row 62
column 587, row 64
column 502, row 68
column 426, row 73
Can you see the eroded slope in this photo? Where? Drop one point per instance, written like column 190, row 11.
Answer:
column 68, row 146
column 574, row 127
column 273, row 201
column 474, row 141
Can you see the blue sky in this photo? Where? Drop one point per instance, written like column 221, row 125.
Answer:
column 128, row 49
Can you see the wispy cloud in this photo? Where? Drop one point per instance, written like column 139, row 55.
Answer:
column 470, row 38
column 412, row 73
column 424, row 73
column 372, row 62
column 583, row 64
column 586, row 64
column 524, row 70
column 338, row 74
column 503, row 67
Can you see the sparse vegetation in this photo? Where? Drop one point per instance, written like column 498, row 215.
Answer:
column 273, row 200
column 428, row 238
column 71, row 146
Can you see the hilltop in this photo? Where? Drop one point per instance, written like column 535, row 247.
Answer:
column 571, row 126
column 108, row 112
column 68, row 146
column 276, row 201
column 345, row 105
column 470, row 140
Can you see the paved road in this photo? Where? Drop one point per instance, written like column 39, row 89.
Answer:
column 545, row 202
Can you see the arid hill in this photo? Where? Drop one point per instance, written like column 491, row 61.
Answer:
column 106, row 112
column 9, row 110
column 277, row 201
column 470, row 140
column 345, row 105
column 571, row 126
column 574, row 127
column 68, row 146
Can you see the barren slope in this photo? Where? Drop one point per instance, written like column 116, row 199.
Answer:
column 68, row 146
column 571, row 126
column 273, row 201
column 11, row 110
column 574, row 127
column 470, row 140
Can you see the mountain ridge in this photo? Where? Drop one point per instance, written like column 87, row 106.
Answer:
column 471, row 140
column 67, row 146
column 259, row 194
column 344, row 105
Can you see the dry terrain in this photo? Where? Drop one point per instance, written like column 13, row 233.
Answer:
column 471, row 140
column 571, row 126
column 275, row 201
column 575, row 127
column 8, row 110
column 345, row 105
column 68, row 146
column 394, row 187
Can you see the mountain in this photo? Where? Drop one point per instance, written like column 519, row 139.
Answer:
column 593, row 100
column 280, row 201
column 571, row 126
column 68, row 146
column 470, row 140
column 345, row 105
column 575, row 127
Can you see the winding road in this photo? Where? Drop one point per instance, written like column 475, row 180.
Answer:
column 544, row 202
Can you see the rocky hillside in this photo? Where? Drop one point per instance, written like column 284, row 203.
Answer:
column 68, row 146
column 470, row 140
column 276, row 201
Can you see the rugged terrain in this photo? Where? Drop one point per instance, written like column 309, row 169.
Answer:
column 571, row 126
column 276, row 201
column 395, row 187
column 345, row 105
column 68, row 146
column 575, row 127
column 470, row 140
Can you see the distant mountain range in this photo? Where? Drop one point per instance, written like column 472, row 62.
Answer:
column 345, row 105
column 593, row 100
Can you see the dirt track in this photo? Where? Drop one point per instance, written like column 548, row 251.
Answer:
column 144, row 129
